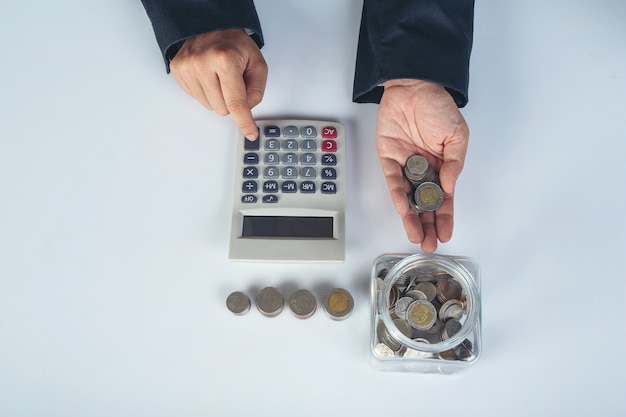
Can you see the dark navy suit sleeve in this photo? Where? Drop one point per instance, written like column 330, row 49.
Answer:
column 174, row 21
column 418, row 39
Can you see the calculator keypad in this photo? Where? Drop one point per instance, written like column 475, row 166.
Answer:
column 289, row 160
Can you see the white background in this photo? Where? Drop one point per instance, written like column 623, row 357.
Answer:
column 116, row 189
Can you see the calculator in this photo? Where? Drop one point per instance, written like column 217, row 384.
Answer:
column 289, row 194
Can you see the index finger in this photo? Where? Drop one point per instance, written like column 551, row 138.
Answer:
column 235, row 98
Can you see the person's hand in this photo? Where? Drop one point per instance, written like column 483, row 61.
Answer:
column 225, row 71
column 419, row 117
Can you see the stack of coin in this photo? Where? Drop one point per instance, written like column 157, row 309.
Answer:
column 270, row 302
column 429, row 308
column 426, row 193
column 302, row 304
column 338, row 304
column 238, row 303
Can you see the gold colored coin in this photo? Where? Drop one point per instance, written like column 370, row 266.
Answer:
column 421, row 315
column 429, row 196
column 338, row 302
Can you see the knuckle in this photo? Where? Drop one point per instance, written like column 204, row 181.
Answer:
column 236, row 105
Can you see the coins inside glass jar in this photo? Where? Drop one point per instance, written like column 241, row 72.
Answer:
column 436, row 311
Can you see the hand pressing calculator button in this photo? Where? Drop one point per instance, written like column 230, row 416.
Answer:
column 289, row 194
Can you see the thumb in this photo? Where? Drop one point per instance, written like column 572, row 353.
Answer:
column 448, row 174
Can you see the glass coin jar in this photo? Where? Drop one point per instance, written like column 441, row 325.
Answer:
column 426, row 313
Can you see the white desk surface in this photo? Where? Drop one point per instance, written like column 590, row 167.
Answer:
column 114, row 222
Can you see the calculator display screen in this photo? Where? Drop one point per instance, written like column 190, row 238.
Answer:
column 287, row 227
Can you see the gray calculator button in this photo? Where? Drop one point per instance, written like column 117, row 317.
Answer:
column 272, row 145
column 270, row 172
column 272, row 131
column 250, row 172
column 308, row 173
column 289, row 187
column 251, row 158
column 308, row 159
column 248, row 198
column 329, row 174
column 290, row 172
column 251, row 145
column 309, row 145
column 329, row 159
column 309, row 132
column 329, row 188
column 271, row 198
column 270, row 187
column 249, row 186
column 271, row 158
column 307, row 187
column 290, row 158
column 290, row 145
column 290, row 132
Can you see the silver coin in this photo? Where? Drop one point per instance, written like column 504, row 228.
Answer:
column 385, row 337
column 464, row 350
column 428, row 196
column 448, row 289
column 451, row 328
column 417, row 170
column 269, row 301
column 394, row 294
column 412, row 204
column 302, row 304
column 238, row 303
column 401, row 305
column 451, row 309
column 403, row 326
column 338, row 304
column 428, row 288
column 415, row 295
column 425, row 278
column 436, row 328
column 383, row 351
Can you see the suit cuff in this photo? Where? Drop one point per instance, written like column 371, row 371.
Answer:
column 175, row 21
column 429, row 40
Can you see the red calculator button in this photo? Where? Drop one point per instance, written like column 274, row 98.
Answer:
column 329, row 132
column 329, row 146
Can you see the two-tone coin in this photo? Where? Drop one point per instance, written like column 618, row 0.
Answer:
column 428, row 196
column 338, row 304
column 421, row 315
